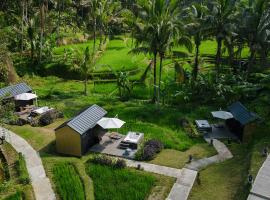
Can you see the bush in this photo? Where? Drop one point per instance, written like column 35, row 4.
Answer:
column 16, row 196
column 49, row 117
column 149, row 150
column 68, row 182
column 22, row 170
column 108, row 161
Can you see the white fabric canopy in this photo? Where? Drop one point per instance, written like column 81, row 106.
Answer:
column 108, row 123
column 222, row 114
column 25, row 96
column 42, row 110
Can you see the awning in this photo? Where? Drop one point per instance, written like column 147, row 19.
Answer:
column 222, row 114
column 25, row 96
column 108, row 123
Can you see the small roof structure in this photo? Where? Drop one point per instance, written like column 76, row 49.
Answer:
column 14, row 90
column 222, row 114
column 242, row 114
column 25, row 96
column 86, row 119
column 108, row 123
column 42, row 110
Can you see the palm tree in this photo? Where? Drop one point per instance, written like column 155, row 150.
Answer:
column 158, row 29
column 199, row 29
column 256, row 31
column 84, row 63
column 222, row 26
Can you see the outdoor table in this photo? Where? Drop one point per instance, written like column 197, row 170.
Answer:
column 203, row 125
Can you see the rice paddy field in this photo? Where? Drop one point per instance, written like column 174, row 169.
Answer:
column 119, row 184
column 68, row 183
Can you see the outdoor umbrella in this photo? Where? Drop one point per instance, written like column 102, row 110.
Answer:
column 25, row 96
column 222, row 114
column 108, row 123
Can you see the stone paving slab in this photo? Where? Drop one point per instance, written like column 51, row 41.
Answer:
column 40, row 183
column 178, row 192
column 166, row 171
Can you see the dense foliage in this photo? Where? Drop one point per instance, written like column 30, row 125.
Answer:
column 119, row 184
column 68, row 183
column 109, row 161
column 149, row 150
column 15, row 196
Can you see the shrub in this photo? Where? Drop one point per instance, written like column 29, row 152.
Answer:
column 49, row 117
column 16, row 196
column 22, row 170
column 108, row 161
column 149, row 150
column 68, row 182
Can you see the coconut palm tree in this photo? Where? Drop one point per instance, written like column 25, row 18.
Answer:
column 256, row 31
column 199, row 29
column 222, row 26
column 158, row 29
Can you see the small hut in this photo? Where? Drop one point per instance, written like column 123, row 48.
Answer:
column 77, row 135
column 243, row 122
column 18, row 90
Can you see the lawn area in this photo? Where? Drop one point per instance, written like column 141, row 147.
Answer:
column 226, row 180
column 122, row 184
column 177, row 159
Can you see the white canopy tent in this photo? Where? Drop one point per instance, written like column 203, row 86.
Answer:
column 25, row 96
column 108, row 123
column 222, row 115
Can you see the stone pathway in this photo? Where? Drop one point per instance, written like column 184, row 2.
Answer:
column 223, row 154
column 184, row 178
column 261, row 187
column 40, row 183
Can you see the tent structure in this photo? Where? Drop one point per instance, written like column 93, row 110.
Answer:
column 222, row 115
column 108, row 123
column 25, row 96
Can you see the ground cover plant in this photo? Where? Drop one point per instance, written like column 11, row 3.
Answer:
column 22, row 170
column 68, row 182
column 119, row 184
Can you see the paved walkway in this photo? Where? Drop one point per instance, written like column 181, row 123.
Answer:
column 184, row 178
column 261, row 187
column 223, row 154
column 41, row 184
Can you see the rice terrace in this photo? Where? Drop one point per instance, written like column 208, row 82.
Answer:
column 134, row 99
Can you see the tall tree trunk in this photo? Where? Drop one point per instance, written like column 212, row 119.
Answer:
column 196, row 63
column 218, row 57
column 155, row 78
column 22, row 25
column 160, row 75
column 41, row 30
column 95, row 30
column 251, row 60
column 85, row 86
column 58, row 22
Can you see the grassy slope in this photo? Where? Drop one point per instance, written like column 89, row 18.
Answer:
column 226, row 180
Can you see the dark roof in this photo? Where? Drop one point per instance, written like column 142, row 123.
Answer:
column 86, row 119
column 14, row 90
column 241, row 113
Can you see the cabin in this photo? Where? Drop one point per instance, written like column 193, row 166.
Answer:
column 243, row 122
column 13, row 91
column 77, row 135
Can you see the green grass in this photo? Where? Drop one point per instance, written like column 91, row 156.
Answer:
column 68, row 183
column 178, row 159
column 15, row 196
column 119, row 184
column 226, row 180
column 22, row 170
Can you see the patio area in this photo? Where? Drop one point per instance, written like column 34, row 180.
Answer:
column 220, row 132
column 110, row 145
